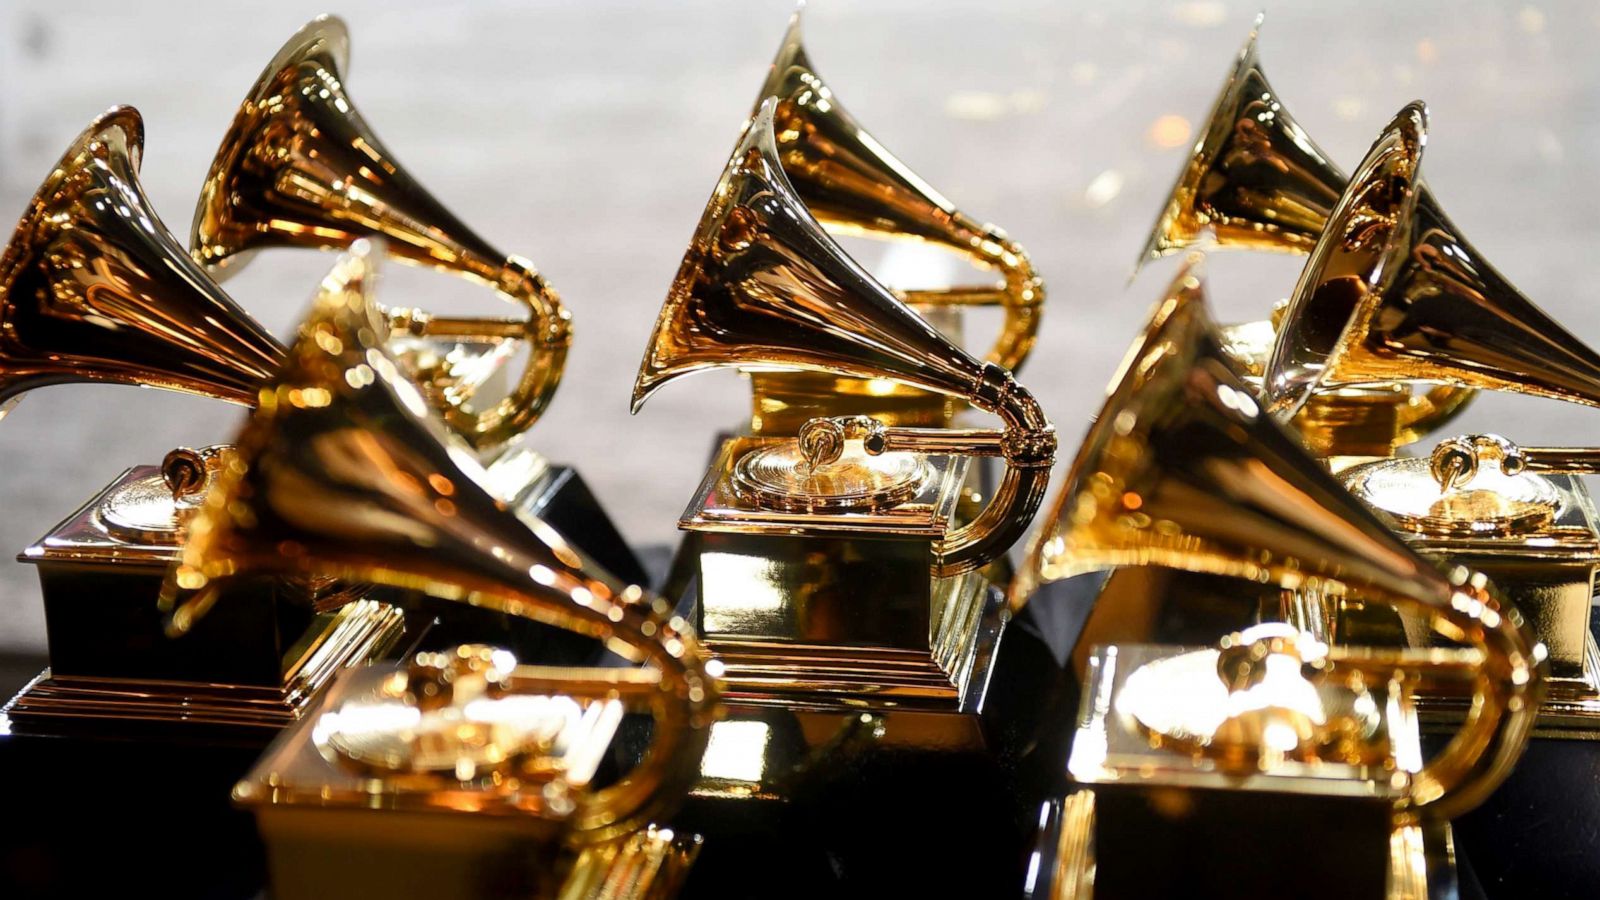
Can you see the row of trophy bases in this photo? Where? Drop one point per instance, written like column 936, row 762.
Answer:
column 840, row 598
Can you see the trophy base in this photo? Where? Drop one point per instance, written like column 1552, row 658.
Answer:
column 951, row 675
column 354, row 635
column 1065, row 863
column 1571, row 708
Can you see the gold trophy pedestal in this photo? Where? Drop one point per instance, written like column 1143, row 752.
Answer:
column 253, row 666
column 1160, row 816
column 826, row 608
column 359, row 800
column 1537, row 537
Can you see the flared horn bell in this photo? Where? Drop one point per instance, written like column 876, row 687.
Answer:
column 1182, row 469
column 342, row 471
column 300, row 167
column 853, row 185
column 1254, row 180
column 1393, row 293
column 93, row 288
column 763, row 287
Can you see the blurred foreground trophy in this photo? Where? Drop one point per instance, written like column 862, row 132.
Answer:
column 462, row 773
column 1204, row 771
column 94, row 289
column 1392, row 294
column 833, row 584
column 1256, row 181
column 854, row 186
column 300, row 167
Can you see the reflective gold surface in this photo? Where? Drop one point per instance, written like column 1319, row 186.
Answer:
column 1393, row 293
column 1182, row 468
column 455, row 776
column 1257, row 181
column 94, row 289
column 341, row 471
column 299, row 167
column 853, row 185
column 763, row 285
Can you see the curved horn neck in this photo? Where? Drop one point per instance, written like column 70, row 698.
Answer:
column 1255, row 180
column 93, row 288
column 300, row 167
column 764, row 286
column 342, row 471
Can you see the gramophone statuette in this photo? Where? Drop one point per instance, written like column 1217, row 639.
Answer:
column 848, row 501
column 853, row 185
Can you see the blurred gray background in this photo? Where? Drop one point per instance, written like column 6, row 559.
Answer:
column 587, row 136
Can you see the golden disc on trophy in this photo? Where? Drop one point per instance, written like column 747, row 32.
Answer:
column 1491, row 503
column 780, row 476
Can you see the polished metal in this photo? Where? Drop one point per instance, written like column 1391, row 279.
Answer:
column 1183, row 468
column 299, row 167
column 93, row 288
column 1520, row 516
column 1185, row 753
column 1256, row 181
column 1392, row 293
column 451, row 776
column 764, row 286
column 853, row 185
column 343, row 472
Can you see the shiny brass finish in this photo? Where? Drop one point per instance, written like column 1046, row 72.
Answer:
column 1393, row 293
column 1456, row 460
column 853, row 185
column 1183, row 469
column 1189, row 752
column 94, row 289
column 763, row 285
column 258, row 667
column 341, row 472
column 1257, row 181
column 1482, row 501
column 451, row 777
column 299, row 167
column 1254, row 181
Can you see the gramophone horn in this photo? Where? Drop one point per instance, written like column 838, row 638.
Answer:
column 1182, row 469
column 299, row 167
column 343, row 472
column 763, row 286
column 94, row 289
column 1254, row 180
column 1393, row 293
column 852, row 185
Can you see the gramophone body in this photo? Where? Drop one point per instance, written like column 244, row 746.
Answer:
column 854, row 186
column 94, row 289
column 335, row 825
column 1158, row 815
column 1536, row 536
column 255, row 667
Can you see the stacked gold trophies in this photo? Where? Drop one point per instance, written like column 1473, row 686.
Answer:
column 1317, row 653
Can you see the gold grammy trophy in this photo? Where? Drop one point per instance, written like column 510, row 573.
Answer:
column 94, row 289
column 854, row 186
column 788, row 531
column 463, row 774
column 1256, row 181
column 1392, row 294
column 300, row 167
column 1206, row 750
